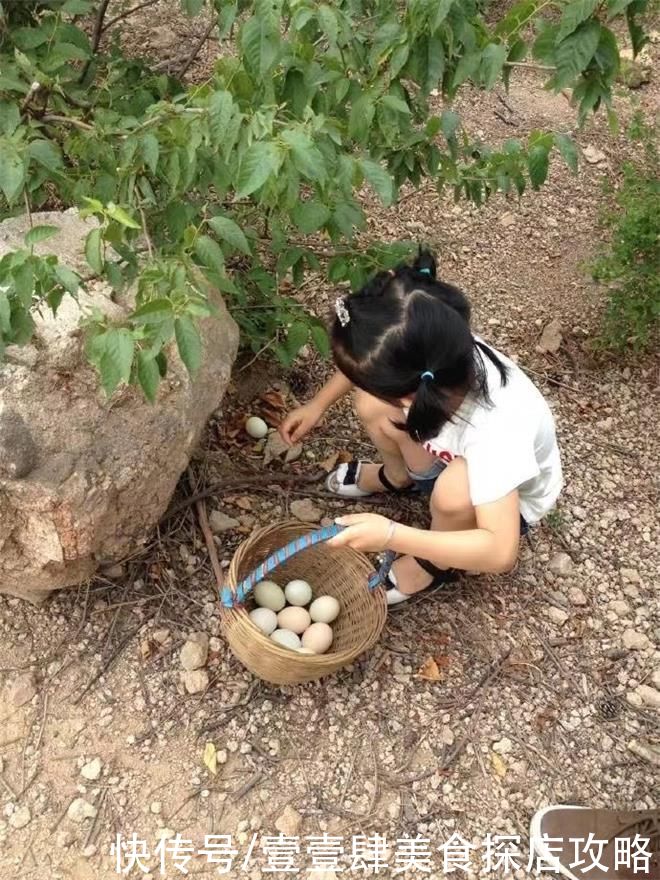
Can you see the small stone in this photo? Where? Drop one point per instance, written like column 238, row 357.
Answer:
column 165, row 833
column 503, row 746
column 655, row 677
column 561, row 564
column 630, row 576
column 22, row 689
column 220, row 522
column 276, row 448
column 306, row 511
column 221, row 756
column 20, row 818
column 155, row 807
column 80, row 809
column 289, row 821
column 576, row 596
column 636, row 641
column 557, row 616
column 196, row 681
column 446, row 735
column 92, row 770
column 89, row 851
column 114, row 572
column 649, row 696
column 549, row 343
column 195, row 652
column 557, row 598
column 634, row 699
column 620, row 608
column 162, row 636
column 64, row 839
column 593, row 155
column 507, row 219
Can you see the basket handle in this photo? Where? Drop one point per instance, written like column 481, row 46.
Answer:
column 230, row 598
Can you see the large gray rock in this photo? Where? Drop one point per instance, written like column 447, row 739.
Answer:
column 83, row 479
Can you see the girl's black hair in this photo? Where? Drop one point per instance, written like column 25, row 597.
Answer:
column 405, row 323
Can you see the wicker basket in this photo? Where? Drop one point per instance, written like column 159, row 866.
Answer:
column 339, row 572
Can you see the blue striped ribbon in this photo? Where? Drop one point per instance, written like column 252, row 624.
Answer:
column 230, row 598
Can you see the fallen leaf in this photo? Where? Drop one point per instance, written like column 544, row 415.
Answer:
column 330, row 463
column 429, row 670
column 244, row 502
column 443, row 661
column 210, row 758
column 345, row 457
column 498, row 765
column 551, row 338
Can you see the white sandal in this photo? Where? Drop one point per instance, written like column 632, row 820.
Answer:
column 344, row 481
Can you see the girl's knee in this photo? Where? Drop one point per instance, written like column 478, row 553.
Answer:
column 370, row 409
column 451, row 494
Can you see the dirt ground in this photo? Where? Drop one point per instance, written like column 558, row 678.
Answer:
column 544, row 678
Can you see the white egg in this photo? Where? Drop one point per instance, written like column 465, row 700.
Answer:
column 293, row 618
column 286, row 639
column 317, row 637
column 298, row 592
column 268, row 595
column 265, row 619
column 325, row 609
column 256, row 427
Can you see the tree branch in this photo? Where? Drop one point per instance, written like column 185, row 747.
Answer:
column 96, row 38
column 126, row 13
column 529, row 66
column 197, row 48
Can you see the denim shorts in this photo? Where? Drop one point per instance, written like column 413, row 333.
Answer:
column 426, row 481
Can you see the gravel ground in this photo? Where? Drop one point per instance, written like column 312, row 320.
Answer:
column 478, row 706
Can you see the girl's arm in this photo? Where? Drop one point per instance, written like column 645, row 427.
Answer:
column 300, row 421
column 490, row 547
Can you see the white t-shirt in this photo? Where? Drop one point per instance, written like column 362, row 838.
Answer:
column 508, row 445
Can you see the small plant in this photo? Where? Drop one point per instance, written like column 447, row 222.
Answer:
column 631, row 263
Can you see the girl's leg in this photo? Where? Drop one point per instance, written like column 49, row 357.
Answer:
column 397, row 451
column 451, row 511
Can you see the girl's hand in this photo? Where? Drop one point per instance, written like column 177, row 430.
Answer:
column 368, row 532
column 299, row 422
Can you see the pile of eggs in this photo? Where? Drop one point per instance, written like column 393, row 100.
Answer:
column 283, row 615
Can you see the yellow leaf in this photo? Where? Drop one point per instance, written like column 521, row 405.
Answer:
column 498, row 765
column 210, row 758
column 429, row 670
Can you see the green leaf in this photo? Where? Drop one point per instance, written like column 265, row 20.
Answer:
column 30, row 37
column 442, row 8
column 637, row 36
column 516, row 18
column 210, row 253
column 5, row 315
column 449, row 122
column 148, row 374
column 566, row 147
column 537, row 165
column 12, row 172
column 150, row 151
column 310, row 216
column 153, row 312
column 466, row 68
column 435, row 63
column 307, row 158
column 10, row 117
column 258, row 163
column 221, row 107
column 192, row 7
column 575, row 52
column 296, row 337
column 77, row 7
column 116, row 346
column 616, row 7
column 361, row 117
column 188, row 343
column 228, row 230
column 260, row 43
column 93, row 253
column 396, row 104
column 492, row 63
column 545, row 44
column 40, row 233
column 68, row 279
column 320, row 339
column 573, row 15
column 121, row 216
column 380, row 180
column 327, row 19
column 46, row 153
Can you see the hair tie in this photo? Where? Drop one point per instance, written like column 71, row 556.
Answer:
column 341, row 311
column 427, row 375
column 424, row 271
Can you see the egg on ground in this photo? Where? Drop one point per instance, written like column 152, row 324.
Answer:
column 294, row 618
column 286, row 639
column 256, row 427
column 298, row 592
column 265, row 619
column 317, row 637
column 267, row 594
column 325, row 609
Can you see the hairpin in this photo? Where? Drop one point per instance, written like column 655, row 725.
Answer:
column 427, row 376
column 424, row 271
column 341, row 311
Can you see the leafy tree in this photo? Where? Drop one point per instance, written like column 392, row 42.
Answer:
column 253, row 177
